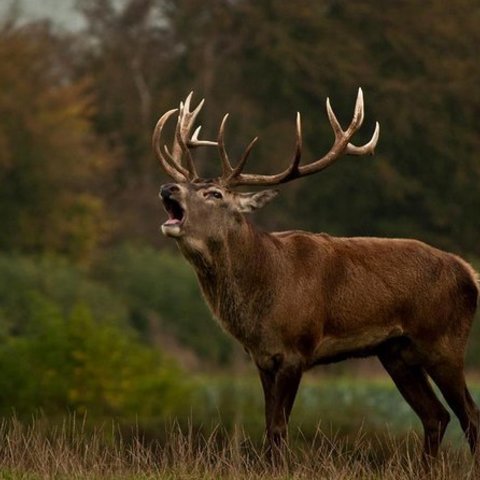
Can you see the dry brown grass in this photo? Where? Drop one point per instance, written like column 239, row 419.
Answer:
column 69, row 451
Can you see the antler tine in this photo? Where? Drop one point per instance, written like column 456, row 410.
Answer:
column 184, row 148
column 298, row 147
column 192, row 116
column 341, row 146
column 357, row 120
column 186, row 119
column 243, row 160
column 176, row 163
column 288, row 174
column 174, row 170
column 187, row 101
column 368, row 148
column 227, row 168
column 358, row 114
column 337, row 128
column 177, row 151
column 195, row 142
column 196, row 132
column 293, row 171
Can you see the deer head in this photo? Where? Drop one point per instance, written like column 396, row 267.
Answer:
column 210, row 207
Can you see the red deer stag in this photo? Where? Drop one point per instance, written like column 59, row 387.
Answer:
column 297, row 299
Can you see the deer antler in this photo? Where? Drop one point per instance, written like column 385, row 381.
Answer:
column 341, row 146
column 183, row 143
column 233, row 176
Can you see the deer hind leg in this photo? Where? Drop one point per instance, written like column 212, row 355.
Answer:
column 413, row 384
column 450, row 379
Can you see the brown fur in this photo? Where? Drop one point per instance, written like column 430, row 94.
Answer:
column 297, row 299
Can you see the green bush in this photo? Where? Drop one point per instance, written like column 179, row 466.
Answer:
column 58, row 281
column 162, row 285
column 74, row 363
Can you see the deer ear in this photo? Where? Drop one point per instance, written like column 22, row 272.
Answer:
column 248, row 202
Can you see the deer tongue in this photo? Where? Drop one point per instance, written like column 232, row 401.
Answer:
column 173, row 221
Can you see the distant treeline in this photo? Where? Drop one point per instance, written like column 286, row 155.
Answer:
column 76, row 168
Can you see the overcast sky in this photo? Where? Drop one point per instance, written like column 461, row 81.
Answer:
column 60, row 11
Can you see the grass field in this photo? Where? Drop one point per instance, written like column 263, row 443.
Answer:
column 69, row 452
column 340, row 429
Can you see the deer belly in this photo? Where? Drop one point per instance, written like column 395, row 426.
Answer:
column 365, row 340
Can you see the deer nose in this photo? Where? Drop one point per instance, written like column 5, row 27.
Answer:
column 167, row 189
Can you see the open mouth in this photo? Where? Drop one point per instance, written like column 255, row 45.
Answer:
column 176, row 214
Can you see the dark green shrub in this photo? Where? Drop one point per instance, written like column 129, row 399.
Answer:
column 75, row 363
column 58, row 281
column 162, row 284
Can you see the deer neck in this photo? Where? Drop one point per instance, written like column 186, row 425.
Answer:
column 232, row 273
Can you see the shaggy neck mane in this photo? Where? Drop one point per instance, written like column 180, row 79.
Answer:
column 232, row 273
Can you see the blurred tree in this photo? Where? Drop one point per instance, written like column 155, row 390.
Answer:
column 127, row 49
column 417, row 65
column 122, row 46
column 425, row 180
column 49, row 156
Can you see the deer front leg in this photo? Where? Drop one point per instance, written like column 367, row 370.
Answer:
column 280, row 388
column 268, row 382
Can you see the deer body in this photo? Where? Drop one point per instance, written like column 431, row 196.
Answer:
column 297, row 299
column 355, row 293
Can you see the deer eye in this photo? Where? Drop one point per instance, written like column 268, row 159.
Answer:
column 213, row 194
